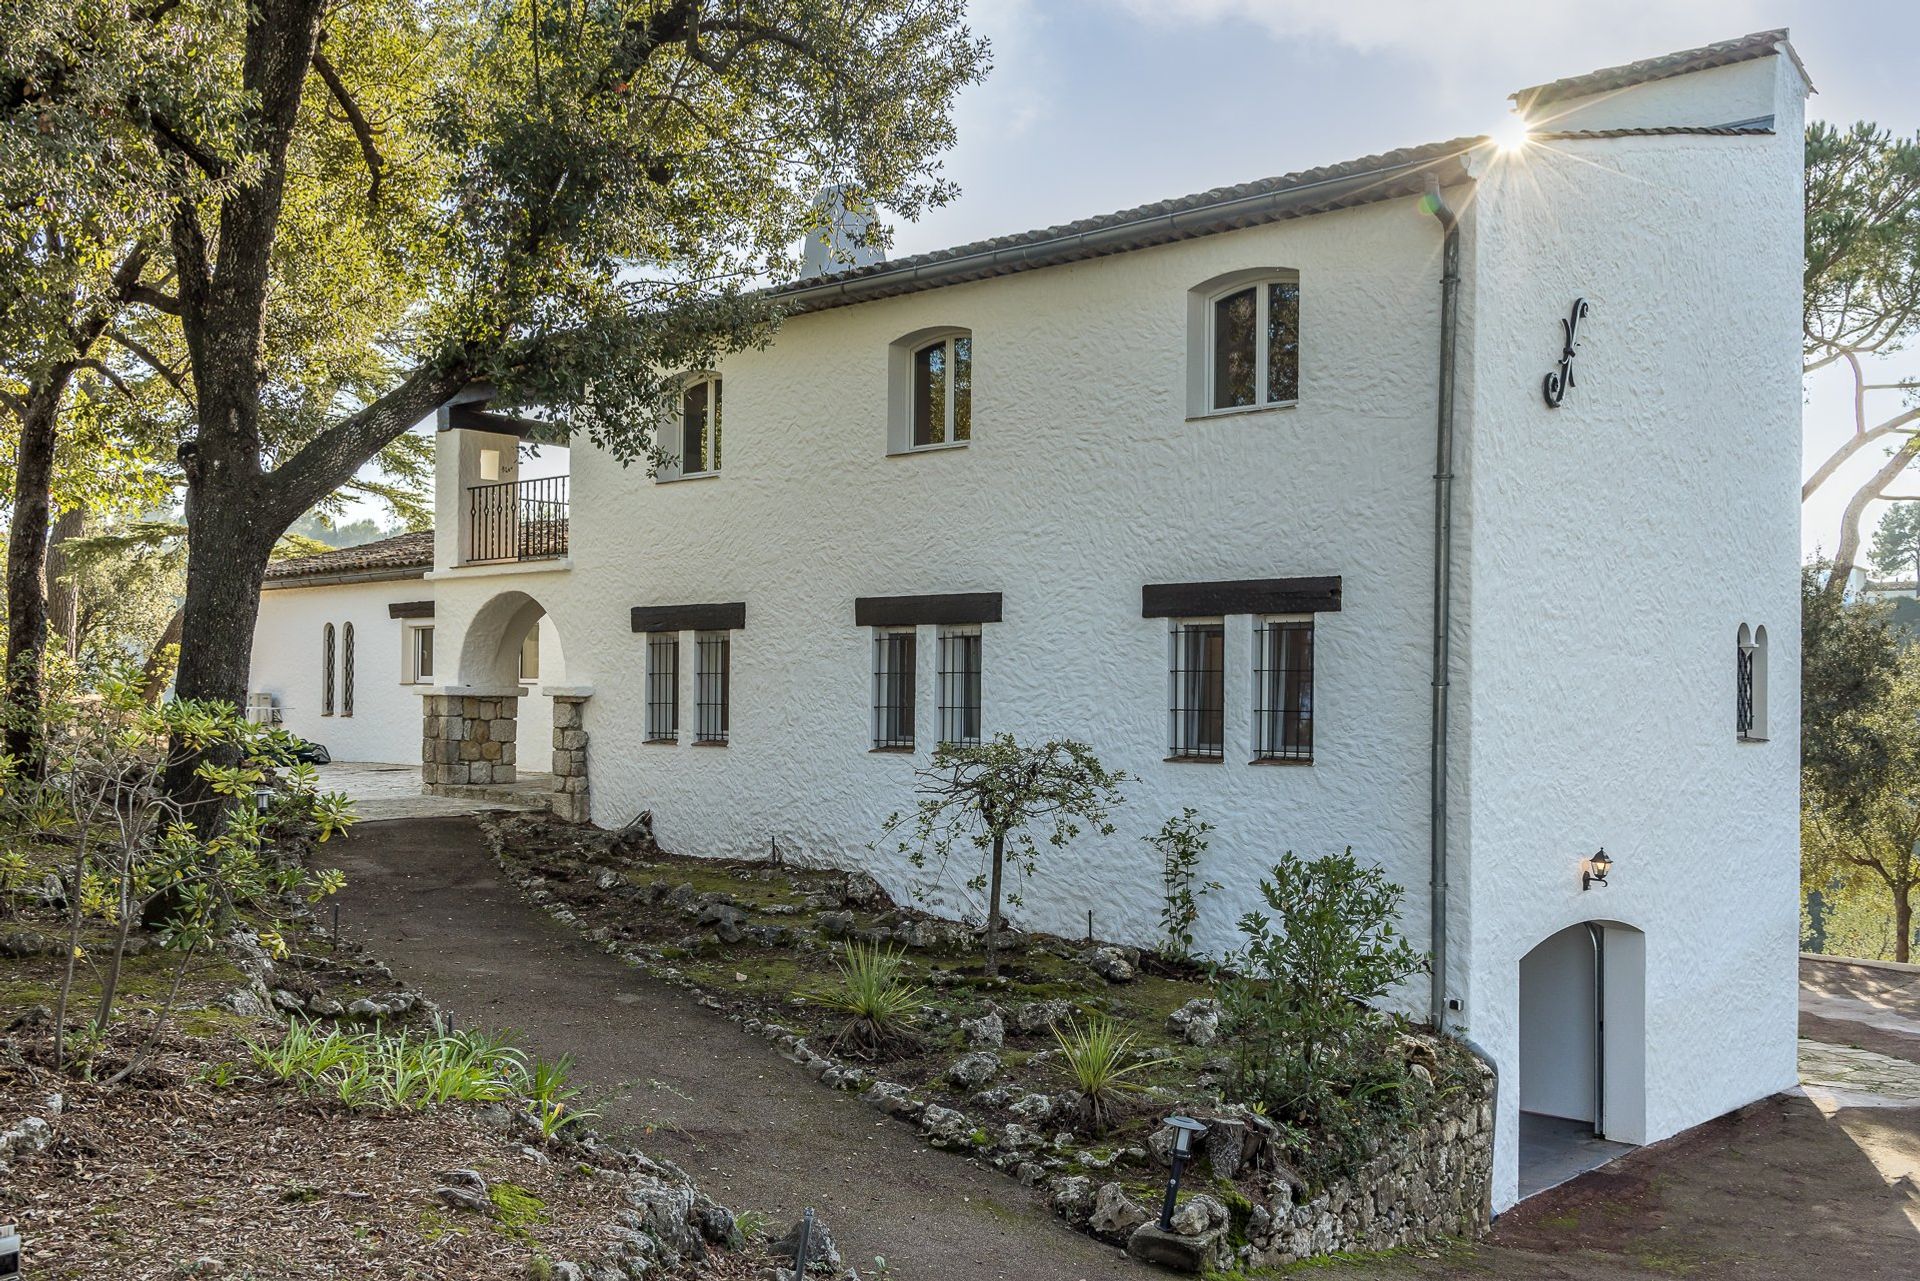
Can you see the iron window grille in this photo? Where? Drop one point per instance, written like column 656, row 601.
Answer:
column 960, row 685
column 1254, row 346
column 326, row 669
column 1197, row 694
column 422, row 655
column 1283, row 690
column 713, row 674
column 894, row 671
column 700, row 427
column 663, row 688
column 1743, row 719
column 346, row 670
column 942, row 402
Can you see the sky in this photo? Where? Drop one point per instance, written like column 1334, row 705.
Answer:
column 1097, row 105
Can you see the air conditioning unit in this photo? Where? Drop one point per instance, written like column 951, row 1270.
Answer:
column 261, row 710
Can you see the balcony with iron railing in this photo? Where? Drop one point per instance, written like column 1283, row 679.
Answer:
column 517, row 520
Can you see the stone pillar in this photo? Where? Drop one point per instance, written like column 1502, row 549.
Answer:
column 570, row 798
column 469, row 739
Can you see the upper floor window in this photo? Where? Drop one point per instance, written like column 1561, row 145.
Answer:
column 700, row 426
column 930, row 385
column 1244, row 342
column 1750, row 685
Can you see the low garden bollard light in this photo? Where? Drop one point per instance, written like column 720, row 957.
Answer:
column 1186, row 1133
column 9, row 1252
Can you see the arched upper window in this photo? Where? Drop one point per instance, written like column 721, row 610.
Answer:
column 1243, row 342
column 346, row 670
column 930, row 383
column 326, row 670
column 700, row 426
column 1750, row 685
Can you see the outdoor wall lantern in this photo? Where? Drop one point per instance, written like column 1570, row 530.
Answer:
column 1186, row 1133
column 1593, row 871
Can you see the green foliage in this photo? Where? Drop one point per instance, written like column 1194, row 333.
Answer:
column 1099, row 1059
column 1181, row 842
column 1296, row 1014
column 1896, row 541
column 1862, row 287
column 1850, row 661
column 881, row 1008
column 137, row 852
column 992, row 796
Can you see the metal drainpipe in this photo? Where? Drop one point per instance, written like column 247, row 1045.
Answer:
column 1436, row 204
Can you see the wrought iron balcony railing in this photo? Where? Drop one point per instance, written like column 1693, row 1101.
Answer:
column 517, row 520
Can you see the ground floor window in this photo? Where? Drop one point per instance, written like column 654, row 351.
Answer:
column 713, row 676
column 960, row 685
column 1197, row 695
column 530, row 655
column 894, row 671
column 663, row 687
column 1283, row 690
column 420, row 655
column 346, row 670
column 326, row 669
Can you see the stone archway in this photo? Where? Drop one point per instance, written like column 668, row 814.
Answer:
column 472, row 733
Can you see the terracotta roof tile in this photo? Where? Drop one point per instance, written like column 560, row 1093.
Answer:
column 386, row 558
column 1723, row 53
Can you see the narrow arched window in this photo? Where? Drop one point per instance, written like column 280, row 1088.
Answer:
column 942, row 405
column 326, row 670
column 346, row 670
column 1750, row 685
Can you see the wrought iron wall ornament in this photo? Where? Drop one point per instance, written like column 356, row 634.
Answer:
column 1557, row 382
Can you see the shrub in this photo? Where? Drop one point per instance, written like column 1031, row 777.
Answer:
column 880, row 1008
column 1096, row 1055
column 1181, row 841
column 991, row 796
column 1296, row 1014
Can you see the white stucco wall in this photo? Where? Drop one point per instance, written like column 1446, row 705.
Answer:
column 1616, row 546
column 385, row 725
column 1084, row 482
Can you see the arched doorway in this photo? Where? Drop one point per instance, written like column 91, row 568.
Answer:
column 1582, row 1074
column 511, row 676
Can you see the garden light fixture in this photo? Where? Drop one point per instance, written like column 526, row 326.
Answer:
column 1186, row 1133
column 9, row 1252
column 1593, row 871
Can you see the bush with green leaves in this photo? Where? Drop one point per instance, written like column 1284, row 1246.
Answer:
column 1181, row 842
column 991, row 796
column 881, row 1008
column 1297, row 1003
column 132, row 849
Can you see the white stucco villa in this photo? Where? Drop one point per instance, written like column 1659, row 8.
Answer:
column 1441, row 503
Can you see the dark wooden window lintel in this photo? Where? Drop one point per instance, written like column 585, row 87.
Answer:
column 917, row 611
column 690, row 618
column 410, row 609
column 1241, row 596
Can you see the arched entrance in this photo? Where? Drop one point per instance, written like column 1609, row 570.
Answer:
column 1582, row 1074
column 511, row 676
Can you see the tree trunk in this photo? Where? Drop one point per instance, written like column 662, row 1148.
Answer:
column 1848, row 550
column 993, row 908
column 63, row 594
column 157, row 671
column 1902, row 922
column 27, row 564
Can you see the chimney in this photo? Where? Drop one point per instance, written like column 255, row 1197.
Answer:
column 838, row 243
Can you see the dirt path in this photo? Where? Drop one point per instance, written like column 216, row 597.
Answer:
column 688, row 1085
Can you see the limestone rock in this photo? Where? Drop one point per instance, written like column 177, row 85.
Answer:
column 1036, row 1017
column 725, row 920
column 1111, row 964
column 972, row 1071
column 1115, row 1214
column 1175, row 1251
column 861, row 890
column 944, row 1126
column 1072, row 1198
column 1197, row 1022
column 822, row 1253
column 1197, row 1214
column 835, row 925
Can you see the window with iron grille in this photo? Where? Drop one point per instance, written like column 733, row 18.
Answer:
column 1283, row 690
column 346, row 670
column 326, row 670
column 960, row 685
column 663, row 687
column 712, row 672
column 1197, row 690
column 894, row 670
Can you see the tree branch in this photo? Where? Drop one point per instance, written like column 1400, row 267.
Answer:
column 153, row 362
column 369, row 151
column 147, row 295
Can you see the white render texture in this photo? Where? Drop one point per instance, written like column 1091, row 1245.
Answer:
column 1607, row 554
